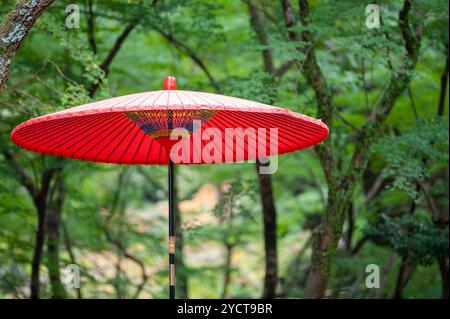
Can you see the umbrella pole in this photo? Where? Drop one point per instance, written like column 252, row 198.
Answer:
column 171, row 232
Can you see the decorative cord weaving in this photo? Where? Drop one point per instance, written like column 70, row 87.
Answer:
column 159, row 124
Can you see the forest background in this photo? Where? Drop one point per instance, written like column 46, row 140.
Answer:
column 374, row 193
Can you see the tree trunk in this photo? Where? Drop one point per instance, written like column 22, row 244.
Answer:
column 405, row 273
column 270, row 234
column 350, row 228
column 387, row 267
column 53, row 223
column 40, row 202
column 14, row 28
column 111, row 55
column 326, row 237
column 227, row 270
column 341, row 188
column 324, row 245
column 265, row 181
column 443, row 269
column 443, row 91
column 68, row 245
column 37, row 253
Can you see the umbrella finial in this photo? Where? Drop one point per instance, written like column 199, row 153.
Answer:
column 170, row 83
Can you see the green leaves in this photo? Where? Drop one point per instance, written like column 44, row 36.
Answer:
column 78, row 51
column 74, row 95
column 412, row 235
column 261, row 87
column 413, row 155
column 55, row 66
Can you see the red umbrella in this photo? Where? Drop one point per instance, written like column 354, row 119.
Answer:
column 170, row 127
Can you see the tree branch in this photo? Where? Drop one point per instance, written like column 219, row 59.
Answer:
column 24, row 178
column 68, row 245
column 14, row 28
column 289, row 20
column 443, row 92
column 91, row 27
column 46, row 178
column 282, row 69
column 114, row 207
column 431, row 203
column 184, row 48
column 372, row 192
column 315, row 79
column 397, row 84
column 342, row 187
column 257, row 26
column 118, row 244
column 346, row 122
column 359, row 244
column 112, row 54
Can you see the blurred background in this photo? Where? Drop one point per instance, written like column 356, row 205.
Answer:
column 375, row 193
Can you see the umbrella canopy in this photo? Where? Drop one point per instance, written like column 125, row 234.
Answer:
column 170, row 127
column 136, row 128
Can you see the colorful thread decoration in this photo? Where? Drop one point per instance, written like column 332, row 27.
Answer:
column 159, row 124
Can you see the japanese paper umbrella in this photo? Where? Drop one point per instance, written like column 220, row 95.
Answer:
column 137, row 129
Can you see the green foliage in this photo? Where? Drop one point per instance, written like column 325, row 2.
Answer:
column 78, row 52
column 261, row 87
column 55, row 67
column 412, row 156
column 414, row 236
